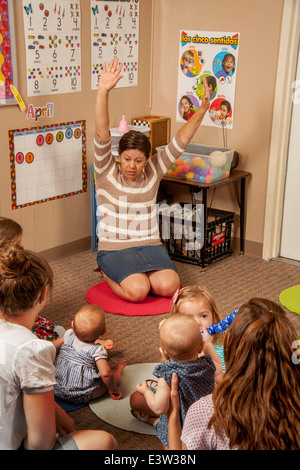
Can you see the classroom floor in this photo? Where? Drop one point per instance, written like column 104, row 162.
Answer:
column 231, row 281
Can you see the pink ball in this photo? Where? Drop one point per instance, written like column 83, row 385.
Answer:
column 185, row 168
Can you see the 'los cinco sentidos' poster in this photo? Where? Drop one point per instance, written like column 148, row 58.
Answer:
column 215, row 55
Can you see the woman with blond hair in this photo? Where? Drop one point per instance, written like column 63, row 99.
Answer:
column 257, row 404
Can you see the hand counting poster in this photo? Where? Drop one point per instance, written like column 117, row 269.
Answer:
column 47, row 162
column 215, row 55
column 115, row 34
column 53, row 46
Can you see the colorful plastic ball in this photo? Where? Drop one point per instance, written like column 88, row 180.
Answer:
column 185, row 168
column 190, row 175
column 211, row 171
column 179, row 161
column 170, row 172
column 198, row 161
column 202, row 178
column 218, row 158
column 208, row 178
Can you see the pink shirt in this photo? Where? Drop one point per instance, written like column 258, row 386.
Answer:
column 195, row 433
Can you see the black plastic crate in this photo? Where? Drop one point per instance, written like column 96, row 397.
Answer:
column 215, row 241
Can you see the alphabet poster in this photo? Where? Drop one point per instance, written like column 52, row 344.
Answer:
column 47, row 162
column 215, row 55
column 115, row 34
column 53, row 46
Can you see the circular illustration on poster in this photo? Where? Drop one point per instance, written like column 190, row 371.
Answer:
column 224, row 66
column 220, row 112
column 187, row 106
column 191, row 63
column 212, row 86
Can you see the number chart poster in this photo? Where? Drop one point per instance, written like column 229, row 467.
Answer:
column 53, row 46
column 115, row 34
column 47, row 162
column 215, row 55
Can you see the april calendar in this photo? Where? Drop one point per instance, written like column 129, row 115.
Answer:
column 53, row 46
column 47, row 162
column 115, row 34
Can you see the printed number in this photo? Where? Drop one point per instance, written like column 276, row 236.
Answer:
column 131, row 76
column 59, row 136
column 45, row 22
column 69, row 133
column 58, row 22
column 54, row 81
column 37, row 55
column 29, row 157
column 120, row 22
column 40, row 139
column 54, row 55
column 107, row 22
column 49, row 138
column 73, row 81
column 36, row 84
column 100, row 52
column 115, row 51
column 77, row 133
column 19, row 157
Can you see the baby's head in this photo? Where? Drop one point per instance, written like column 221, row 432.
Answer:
column 180, row 339
column 89, row 323
column 10, row 232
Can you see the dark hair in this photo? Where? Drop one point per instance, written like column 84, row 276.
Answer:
column 23, row 276
column 211, row 81
column 228, row 56
column 135, row 140
column 185, row 97
column 227, row 104
column 9, row 231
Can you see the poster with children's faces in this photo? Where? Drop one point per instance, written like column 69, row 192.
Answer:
column 215, row 55
column 115, row 34
column 53, row 46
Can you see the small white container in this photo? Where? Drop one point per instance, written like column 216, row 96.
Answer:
column 116, row 135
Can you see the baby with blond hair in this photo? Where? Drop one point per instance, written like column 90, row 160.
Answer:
column 181, row 343
column 82, row 369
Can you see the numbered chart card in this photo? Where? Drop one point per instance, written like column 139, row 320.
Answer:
column 115, row 34
column 215, row 55
column 47, row 162
column 53, row 47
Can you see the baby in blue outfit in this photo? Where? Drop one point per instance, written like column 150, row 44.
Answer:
column 181, row 344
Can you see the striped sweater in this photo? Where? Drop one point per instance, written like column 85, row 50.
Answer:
column 127, row 209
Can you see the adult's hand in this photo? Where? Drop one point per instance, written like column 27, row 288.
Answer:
column 174, row 424
column 110, row 75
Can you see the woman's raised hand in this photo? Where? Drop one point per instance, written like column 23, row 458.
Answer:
column 110, row 75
